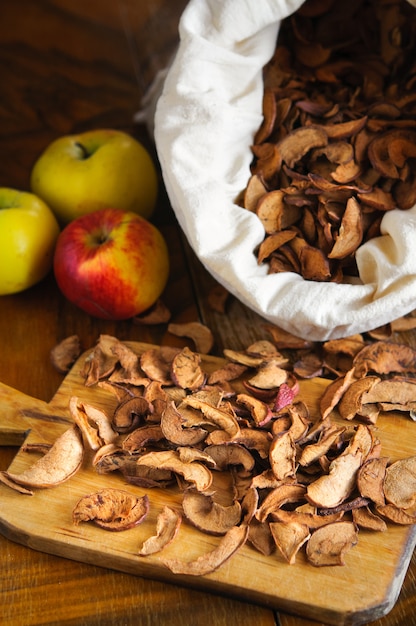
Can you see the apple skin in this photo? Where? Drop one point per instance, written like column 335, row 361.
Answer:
column 28, row 234
column 80, row 173
column 112, row 264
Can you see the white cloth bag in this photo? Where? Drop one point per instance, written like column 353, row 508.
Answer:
column 206, row 117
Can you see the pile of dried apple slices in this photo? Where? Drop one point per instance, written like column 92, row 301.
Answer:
column 238, row 427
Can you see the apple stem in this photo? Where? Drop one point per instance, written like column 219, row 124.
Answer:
column 85, row 154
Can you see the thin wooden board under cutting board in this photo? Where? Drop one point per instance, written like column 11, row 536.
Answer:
column 359, row 592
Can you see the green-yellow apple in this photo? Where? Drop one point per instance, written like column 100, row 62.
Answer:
column 113, row 264
column 78, row 174
column 28, row 234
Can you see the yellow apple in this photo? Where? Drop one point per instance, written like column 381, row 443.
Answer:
column 28, row 233
column 78, row 174
column 113, row 264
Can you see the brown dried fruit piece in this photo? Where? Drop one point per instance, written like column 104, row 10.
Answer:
column 94, row 423
column 329, row 544
column 370, row 479
column 207, row 563
column 400, row 483
column 209, row 516
column 289, row 538
column 363, row 517
column 186, row 371
column 157, row 314
column 331, row 489
column 285, row 492
column 157, row 362
column 130, row 414
column 282, row 456
column 101, row 362
column 167, row 527
column 200, row 334
column 61, row 462
column 260, row 412
column 173, row 427
column 65, row 353
column 231, row 455
column 195, row 473
column 111, row 509
column 350, row 233
column 352, row 400
column 396, row 515
column 220, row 416
column 218, row 297
column 384, row 357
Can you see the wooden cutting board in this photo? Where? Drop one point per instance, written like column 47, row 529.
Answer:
column 363, row 590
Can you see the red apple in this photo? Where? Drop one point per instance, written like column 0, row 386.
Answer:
column 111, row 263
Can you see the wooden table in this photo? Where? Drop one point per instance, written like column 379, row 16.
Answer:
column 71, row 65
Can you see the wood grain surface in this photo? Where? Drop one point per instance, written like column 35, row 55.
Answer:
column 69, row 65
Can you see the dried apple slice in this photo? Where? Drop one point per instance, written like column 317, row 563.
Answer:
column 196, row 473
column 350, row 232
column 186, row 371
column 331, row 489
column 253, row 192
column 223, row 418
column 270, row 375
column 209, row 516
column 139, row 438
column 314, row 451
column 285, row 340
column 299, row 142
column 260, row 537
column 289, row 538
column 65, row 353
column 272, row 243
column 284, row 493
column 370, row 479
column 398, row 391
column 167, row 527
column 83, row 414
column 269, row 116
column 352, row 399
column 334, row 392
column 156, row 314
column 111, row 509
column 282, row 456
column 172, row 426
column 207, row 563
column 231, row 455
column 396, row 515
column 230, row 371
column 200, row 334
column 384, row 357
column 260, row 411
column 61, row 462
column 329, row 544
column 364, row 518
column 276, row 215
column 130, row 413
column 101, row 362
column 400, row 483
column 156, row 363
